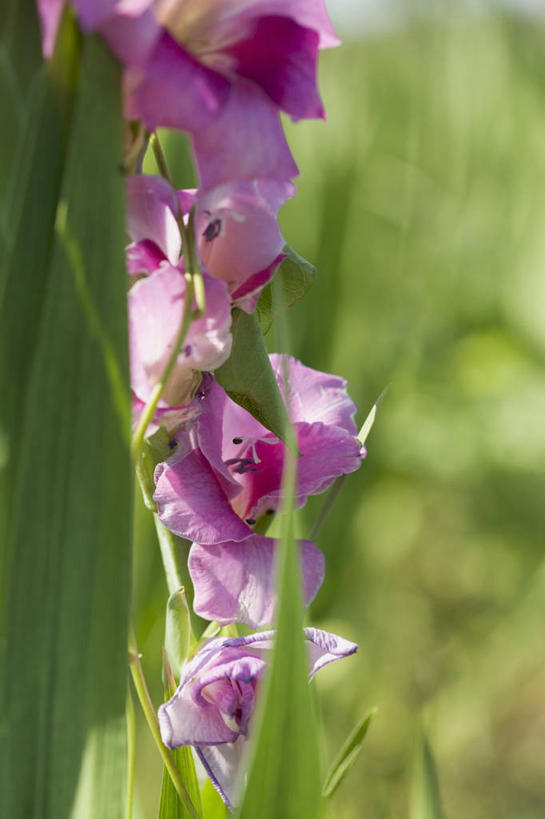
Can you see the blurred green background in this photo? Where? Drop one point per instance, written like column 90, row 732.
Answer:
column 421, row 202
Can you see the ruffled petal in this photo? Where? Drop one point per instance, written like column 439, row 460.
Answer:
column 235, row 582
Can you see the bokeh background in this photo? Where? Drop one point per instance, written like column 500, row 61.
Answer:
column 421, row 203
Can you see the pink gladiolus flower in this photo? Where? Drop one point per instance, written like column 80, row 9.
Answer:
column 236, row 463
column 205, row 66
column 214, row 702
column 237, row 232
column 155, row 312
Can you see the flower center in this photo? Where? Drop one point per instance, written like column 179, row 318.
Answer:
column 245, row 463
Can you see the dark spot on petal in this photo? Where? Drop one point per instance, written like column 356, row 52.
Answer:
column 269, row 512
column 173, row 443
column 250, row 521
column 212, row 230
column 237, row 440
column 187, row 350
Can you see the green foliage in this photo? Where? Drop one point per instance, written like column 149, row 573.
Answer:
column 170, row 806
column 212, row 803
column 348, row 754
column 247, row 375
column 66, row 420
column 295, row 276
column 284, row 777
column 425, row 799
column 178, row 635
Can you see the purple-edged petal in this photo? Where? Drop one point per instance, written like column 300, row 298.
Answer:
column 152, row 207
column 235, row 582
column 175, row 90
column 313, row 395
column 223, row 764
column 324, row 648
column 192, row 503
column 227, row 151
column 309, row 13
column 49, row 12
column 281, row 57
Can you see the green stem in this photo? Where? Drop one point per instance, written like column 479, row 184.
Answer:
column 148, row 708
column 175, row 552
column 160, row 157
column 131, row 754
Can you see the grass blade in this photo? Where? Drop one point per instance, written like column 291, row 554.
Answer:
column 348, row 754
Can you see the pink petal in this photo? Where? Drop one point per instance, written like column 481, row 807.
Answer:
column 152, row 208
column 175, row 90
column 237, row 228
column 314, row 396
column 143, row 257
column 235, row 582
column 192, row 503
column 50, row 12
column 227, row 151
column 324, row 648
column 281, row 57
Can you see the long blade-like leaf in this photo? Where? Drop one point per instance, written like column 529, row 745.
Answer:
column 348, row 754
column 247, row 375
column 284, row 779
column 67, row 577
column 425, row 798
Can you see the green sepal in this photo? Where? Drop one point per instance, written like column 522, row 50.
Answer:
column 179, row 642
column 296, row 277
column 247, row 375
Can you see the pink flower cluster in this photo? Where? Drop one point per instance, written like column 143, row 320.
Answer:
column 221, row 70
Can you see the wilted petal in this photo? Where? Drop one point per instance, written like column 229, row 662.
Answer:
column 192, row 503
column 281, row 57
column 236, row 582
column 227, row 151
column 175, row 90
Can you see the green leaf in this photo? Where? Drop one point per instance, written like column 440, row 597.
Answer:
column 171, row 806
column 247, row 375
column 178, row 634
column 284, row 779
column 296, row 276
column 348, row 754
column 213, row 806
column 425, row 798
column 64, row 363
